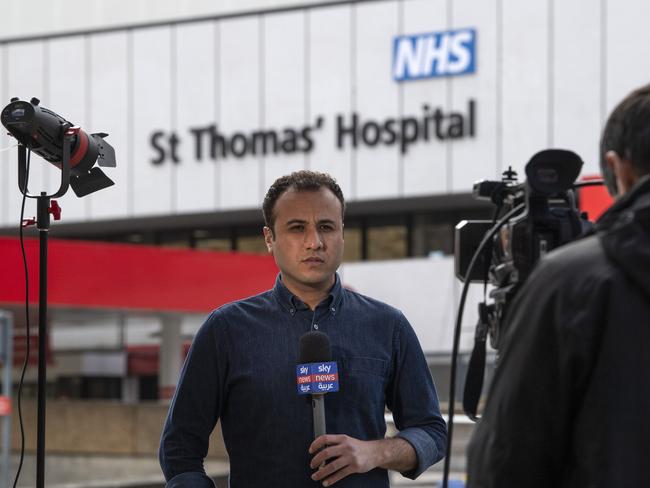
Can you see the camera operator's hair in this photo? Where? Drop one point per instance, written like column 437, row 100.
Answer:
column 627, row 132
column 299, row 181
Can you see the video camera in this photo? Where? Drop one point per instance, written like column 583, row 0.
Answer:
column 530, row 219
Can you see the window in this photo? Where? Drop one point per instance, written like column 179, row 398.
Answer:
column 432, row 235
column 213, row 239
column 352, row 246
column 251, row 239
column 387, row 242
column 174, row 239
column 380, row 232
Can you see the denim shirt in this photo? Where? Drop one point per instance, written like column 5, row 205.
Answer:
column 241, row 370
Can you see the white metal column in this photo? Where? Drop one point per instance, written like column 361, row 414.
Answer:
column 170, row 355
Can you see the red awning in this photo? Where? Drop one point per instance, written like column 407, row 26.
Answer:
column 594, row 199
column 132, row 277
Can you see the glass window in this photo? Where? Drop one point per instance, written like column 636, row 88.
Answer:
column 136, row 238
column 352, row 246
column 430, row 234
column 387, row 242
column 175, row 240
column 253, row 244
column 213, row 240
column 214, row 244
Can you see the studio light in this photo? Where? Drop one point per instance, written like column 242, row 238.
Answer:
column 43, row 132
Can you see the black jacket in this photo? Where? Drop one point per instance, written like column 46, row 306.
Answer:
column 569, row 405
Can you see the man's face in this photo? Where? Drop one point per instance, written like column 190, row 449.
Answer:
column 307, row 238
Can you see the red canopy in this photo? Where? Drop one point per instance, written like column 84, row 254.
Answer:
column 132, row 277
column 594, row 199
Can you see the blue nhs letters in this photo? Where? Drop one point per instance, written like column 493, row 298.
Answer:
column 434, row 54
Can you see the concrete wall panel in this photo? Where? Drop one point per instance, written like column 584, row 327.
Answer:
column 153, row 185
column 283, row 102
column 25, row 78
column 240, row 184
column 66, row 95
column 331, row 92
column 425, row 166
column 627, row 48
column 110, row 112
column 576, row 80
column 376, row 99
column 525, row 82
column 477, row 157
column 195, row 106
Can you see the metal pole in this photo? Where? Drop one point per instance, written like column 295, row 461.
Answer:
column 6, row 350
column 43, row 224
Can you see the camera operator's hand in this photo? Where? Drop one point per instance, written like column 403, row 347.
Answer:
column 346, row 455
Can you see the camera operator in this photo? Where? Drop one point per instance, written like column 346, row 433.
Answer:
column 570, row 400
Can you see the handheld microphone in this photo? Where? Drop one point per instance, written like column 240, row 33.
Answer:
column 316, row 375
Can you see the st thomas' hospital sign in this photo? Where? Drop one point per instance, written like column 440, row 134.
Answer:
column 415, row 57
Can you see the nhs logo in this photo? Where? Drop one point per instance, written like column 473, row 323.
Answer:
column 434, row 54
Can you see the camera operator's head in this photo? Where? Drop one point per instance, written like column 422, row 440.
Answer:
column 625, row 144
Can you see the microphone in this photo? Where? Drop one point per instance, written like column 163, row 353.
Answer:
column 316, row 375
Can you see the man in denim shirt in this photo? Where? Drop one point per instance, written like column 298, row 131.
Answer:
column 241, row 369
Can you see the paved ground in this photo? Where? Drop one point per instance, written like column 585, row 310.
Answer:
column 121, row 472
column 100, row 471
column 117, row 472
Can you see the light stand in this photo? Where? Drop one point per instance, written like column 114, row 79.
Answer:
column 75, row 153
column 44, row 209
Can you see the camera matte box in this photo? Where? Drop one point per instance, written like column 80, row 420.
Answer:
column 468, row 235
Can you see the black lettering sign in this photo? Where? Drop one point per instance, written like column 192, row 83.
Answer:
column 351, row 131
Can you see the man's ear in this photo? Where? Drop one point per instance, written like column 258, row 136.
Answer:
column 623, row 171
column 268, row 239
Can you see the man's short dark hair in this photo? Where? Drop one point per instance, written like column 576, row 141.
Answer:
column 627, row 132
column 300, row 181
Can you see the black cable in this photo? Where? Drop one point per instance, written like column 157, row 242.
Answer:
column 27, row 326
column 495, row 216
column 459, row 319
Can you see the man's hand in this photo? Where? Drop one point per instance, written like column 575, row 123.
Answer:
column 346, row 455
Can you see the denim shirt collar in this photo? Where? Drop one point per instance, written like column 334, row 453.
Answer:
column 291, row 303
